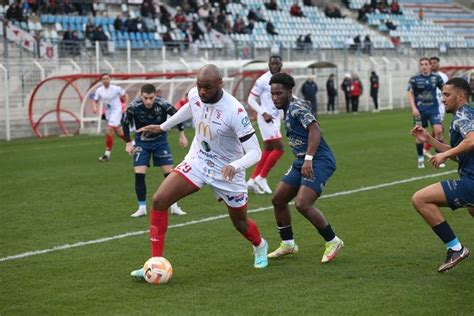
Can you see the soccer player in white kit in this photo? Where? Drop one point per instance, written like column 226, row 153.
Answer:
column 224, row 145
column 434, row 62
column 110, row 96
column 268, row 119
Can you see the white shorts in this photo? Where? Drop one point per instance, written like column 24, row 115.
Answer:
column 234, row 193
column 114, row 118
column 269, row 131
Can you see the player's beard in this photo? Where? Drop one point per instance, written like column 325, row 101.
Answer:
column 215, row 98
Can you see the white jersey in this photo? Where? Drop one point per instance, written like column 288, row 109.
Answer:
column 112, row 105
column 110, row 97
column 261, row 89
column 218, row 129
column 439, row 93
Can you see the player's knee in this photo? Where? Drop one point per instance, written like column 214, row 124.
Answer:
column 276, row 201
column 161, row 201
column 302, row 206
column 417, row 200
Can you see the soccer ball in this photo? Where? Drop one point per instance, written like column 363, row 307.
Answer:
column 157, row 270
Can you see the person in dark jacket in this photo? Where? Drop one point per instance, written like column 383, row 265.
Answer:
column 332, row 93
column 374, row 90
column 346, row 87
column 309, row 90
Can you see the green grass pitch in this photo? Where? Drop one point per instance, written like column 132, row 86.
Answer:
column 54, row 192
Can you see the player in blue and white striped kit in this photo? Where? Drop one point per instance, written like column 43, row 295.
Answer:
column 423, row 100
column 453, row 193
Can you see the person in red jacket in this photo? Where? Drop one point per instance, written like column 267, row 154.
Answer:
column 356, row 92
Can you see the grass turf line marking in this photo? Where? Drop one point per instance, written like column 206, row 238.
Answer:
column 212, row 218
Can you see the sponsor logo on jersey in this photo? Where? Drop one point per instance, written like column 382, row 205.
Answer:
column 204, row 129
column 205, row 145
column 294, row 142
column 207, row 155
column 210, row 163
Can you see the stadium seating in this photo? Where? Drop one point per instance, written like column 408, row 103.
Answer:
column 444, row 23
column 325, row 32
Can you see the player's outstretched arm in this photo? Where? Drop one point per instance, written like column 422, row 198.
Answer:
column 466, row 145
column 252, row 100
column 184, row 114
column 423, row 136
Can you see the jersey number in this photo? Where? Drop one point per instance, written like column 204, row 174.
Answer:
column 184, row 167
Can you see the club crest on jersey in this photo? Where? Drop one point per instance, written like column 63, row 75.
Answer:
column 240, row 110
column 198, row 103
column 245, row 121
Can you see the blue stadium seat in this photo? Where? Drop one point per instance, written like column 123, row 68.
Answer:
column 44, row 18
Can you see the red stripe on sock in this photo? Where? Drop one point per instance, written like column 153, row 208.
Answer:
column 252, row 234
column 261, row 163
column 109, row 141
column 271, row 162
column 158, row 228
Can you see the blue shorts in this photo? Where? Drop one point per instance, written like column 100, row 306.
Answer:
column 433, row 117
column 322, row 170
column 459, row 193
column 159, row 150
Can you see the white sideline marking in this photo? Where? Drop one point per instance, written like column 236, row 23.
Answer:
column 209, row 219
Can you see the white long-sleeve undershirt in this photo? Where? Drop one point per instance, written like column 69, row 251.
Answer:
column 252, row 101
column 183, row 114
column 252, row 154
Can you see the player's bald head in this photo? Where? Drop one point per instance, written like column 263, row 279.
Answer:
column 209, row 72
column 209, row 83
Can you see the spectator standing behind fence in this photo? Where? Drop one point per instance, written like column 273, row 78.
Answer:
column 309, row 91
column 332, row 93
column 346, row 87
column 374, row 90
column 356, row 92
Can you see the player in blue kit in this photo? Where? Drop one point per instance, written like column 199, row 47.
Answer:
column 453, row 193
column 313, row 166
column 423, row 100
column 148, row 109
